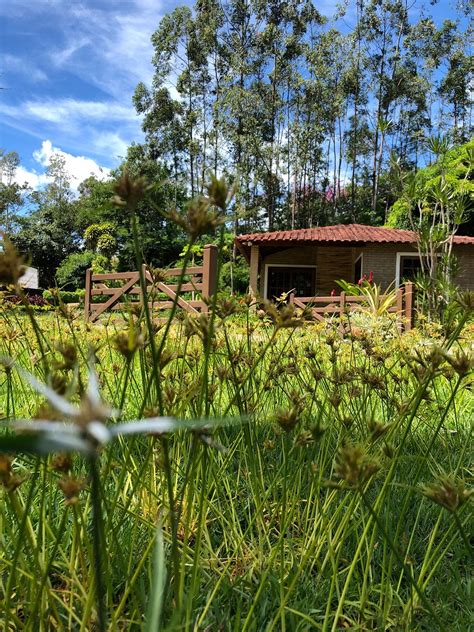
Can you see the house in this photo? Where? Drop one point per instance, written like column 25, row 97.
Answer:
column 29, row 280
column 310, row 260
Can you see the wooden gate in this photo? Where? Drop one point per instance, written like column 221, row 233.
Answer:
column 324, row 306
column 121, row 290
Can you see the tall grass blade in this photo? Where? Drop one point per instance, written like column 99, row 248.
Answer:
column 155, row 599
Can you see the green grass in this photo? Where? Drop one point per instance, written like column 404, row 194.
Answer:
column 304, row 511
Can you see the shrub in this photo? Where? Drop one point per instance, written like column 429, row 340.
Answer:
column 55, row 296
column 235, row 276
column 100, row 238
column 71, row 273
column 34, row 300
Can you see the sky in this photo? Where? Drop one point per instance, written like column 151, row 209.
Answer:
column 68, row 70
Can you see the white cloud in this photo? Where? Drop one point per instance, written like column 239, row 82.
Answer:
column 32, row 178
column 61, row 57
column 26, row 68
column 70, row 111
column 91, row 127
column 78, row 167
column 108, row 49
column 102, row 47
column 110, row 144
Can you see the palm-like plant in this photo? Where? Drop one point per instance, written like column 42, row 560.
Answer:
column 376, row 302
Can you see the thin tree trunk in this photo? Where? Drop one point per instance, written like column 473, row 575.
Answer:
column 356, row 113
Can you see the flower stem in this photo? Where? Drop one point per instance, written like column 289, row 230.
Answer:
column 97, row 543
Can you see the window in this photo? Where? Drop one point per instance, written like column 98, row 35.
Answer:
column 409, row 267
column 300, row 279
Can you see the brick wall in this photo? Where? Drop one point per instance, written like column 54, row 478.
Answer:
column 338, row 263
column 381, row 259
column 333, row 263
column 465, row 258
column 304, row 256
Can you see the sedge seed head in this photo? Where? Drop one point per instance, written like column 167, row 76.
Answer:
column 129, row 191
column 354, row 466
column 447, row 492
column 461, row 362
column 218, row 192
column 288, row 419
column 62, row 462
column 12, row 266
column 199, row 218
column 71, row 487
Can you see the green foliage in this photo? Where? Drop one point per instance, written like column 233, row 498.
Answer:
column 376, row 302
column 271, row 444
column 160, row 240
column 202, row 458
column 455, row 168
column 101, row 264
column 106, row 244
column 235, row 276
column 47, row 236
column 72, row 271
column 55, row 297
column 25, row 302
column 437, row 203
column 94, row 232
column 304, row 113
column 93, row 205
column 12, row 194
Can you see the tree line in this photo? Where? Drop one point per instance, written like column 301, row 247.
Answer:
column 315, row 120
column 312, row 115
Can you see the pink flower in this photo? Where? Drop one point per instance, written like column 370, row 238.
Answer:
column 333, row 292
column 371, row 277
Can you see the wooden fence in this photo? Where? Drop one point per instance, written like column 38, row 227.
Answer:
column 324, row 306
column 123, row 288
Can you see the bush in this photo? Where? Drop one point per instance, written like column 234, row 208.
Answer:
column 235, row 276
column 55, row 296
column 71, row 273
column 34, row 300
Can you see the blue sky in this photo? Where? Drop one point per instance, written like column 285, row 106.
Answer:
column 68, row 69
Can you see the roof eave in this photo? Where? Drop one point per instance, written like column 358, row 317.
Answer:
column 244, row 250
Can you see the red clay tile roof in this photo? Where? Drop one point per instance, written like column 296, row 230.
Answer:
column 349, row 233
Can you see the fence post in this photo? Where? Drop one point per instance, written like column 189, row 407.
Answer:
column 400, row 309
column 292, row 298
column 209, row 271
column 409, row 306
column 87, row 294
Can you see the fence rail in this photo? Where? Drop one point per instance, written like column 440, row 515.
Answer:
column 123, row 289
column 323, row 306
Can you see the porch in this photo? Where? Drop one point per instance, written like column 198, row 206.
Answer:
column 310, row 261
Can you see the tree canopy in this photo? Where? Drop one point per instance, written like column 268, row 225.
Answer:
column 303, row 111
column 315, row 121
column 453, row 170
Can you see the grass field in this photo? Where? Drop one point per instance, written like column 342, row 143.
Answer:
column 328, row 489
